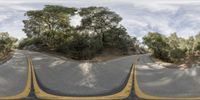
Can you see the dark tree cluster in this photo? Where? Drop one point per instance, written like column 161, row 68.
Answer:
column 100, row 28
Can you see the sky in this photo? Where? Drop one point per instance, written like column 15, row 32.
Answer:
column 139, row 16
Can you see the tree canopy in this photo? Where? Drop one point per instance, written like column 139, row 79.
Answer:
column 6, row 43
column 100, row 28
column 172, row 48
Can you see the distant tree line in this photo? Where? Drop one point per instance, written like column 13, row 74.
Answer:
column 100, row 28
column 172, row 48
column 6, row 43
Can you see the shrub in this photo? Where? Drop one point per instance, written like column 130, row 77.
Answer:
column 177, row 54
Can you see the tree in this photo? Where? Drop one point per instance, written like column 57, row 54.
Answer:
column 117, row 37
column 99, row 20
column 6, row 42
column 99, row 29
column 157, row 43
column 197, row 42
column 190, row 45
column 176, row 52
column 173, row 40
column 48, row 24
column 172, row 48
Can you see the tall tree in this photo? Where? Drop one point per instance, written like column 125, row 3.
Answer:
column 48, row 23
column 98, row 20
column 100, row 28
column 6, row 42
column 173, row 40
column 158, row 44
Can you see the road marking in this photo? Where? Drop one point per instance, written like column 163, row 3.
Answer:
column 120, row 95
column 27, row 88
column 140, row 94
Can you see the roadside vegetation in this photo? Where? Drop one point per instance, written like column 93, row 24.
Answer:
column 99, row 30
column 6, row 44
column 173, row 48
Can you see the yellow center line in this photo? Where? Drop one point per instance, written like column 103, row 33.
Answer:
column 27, row 88
column 120, row 95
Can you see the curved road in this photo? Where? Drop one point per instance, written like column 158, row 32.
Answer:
column 13, row 75
column 59, row 76
column 66, row 77
column 155, row 80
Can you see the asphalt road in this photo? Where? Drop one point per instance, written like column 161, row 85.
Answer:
column 72, row 78
column 155, row 80
column 13, row 75
column 59, row 76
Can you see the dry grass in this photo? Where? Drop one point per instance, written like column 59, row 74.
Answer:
column 183, row 64
column 107, row 54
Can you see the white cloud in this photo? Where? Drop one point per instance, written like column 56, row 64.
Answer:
column 3, row 17
column 139, row 16
column 75, row 20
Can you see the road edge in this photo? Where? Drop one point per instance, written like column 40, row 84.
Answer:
column 27, row 88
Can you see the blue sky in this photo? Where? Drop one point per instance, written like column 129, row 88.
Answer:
column 139, row 16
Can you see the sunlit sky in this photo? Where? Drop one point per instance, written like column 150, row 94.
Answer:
column 139, row 16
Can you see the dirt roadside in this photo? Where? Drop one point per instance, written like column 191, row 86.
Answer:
column 6, row 57
column 187, row 63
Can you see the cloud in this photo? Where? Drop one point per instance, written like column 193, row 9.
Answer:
column 3, row 17
column 139, row 16
column 75, row 20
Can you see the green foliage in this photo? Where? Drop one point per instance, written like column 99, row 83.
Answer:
column 173, row 41
column 198, row 46
column 49, row 24
column 117, row 38
column 157, row 43
column 177, row 54
column 6, row 42
column 99, row 29
column 172, row 48
column 84, row 47
column 29, row 41
column 197, row 42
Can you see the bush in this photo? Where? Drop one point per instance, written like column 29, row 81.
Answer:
column 83, row 47
column 158, row 44
column 29, row 41
column 170, row 48
column 6, row 43
column 177, row 54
